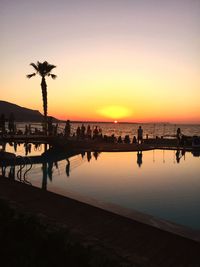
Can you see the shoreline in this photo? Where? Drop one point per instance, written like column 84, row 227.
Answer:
column 141, row 244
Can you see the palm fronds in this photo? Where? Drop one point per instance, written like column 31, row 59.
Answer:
column 30, row 75
column 43, row 69
column 53, row 76
column 34, row 66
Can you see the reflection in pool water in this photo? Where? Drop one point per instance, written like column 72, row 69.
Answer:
column 164, row 184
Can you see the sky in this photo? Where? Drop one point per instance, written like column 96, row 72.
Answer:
column 130, row 60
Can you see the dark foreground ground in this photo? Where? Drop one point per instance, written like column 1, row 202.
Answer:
column 39, row 228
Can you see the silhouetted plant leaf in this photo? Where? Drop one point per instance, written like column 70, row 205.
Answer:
column 30, row 75
column 34, row 66
column 53, row 76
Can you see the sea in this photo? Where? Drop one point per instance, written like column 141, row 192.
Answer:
column 122, row 129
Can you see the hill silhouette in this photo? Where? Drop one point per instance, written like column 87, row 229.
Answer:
column 20, row 113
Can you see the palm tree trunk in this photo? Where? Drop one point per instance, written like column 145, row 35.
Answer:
column 44, row 98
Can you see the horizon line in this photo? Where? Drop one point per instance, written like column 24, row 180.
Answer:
column 128, row 122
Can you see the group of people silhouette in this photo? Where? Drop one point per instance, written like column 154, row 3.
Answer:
column 82, row 132
column 11, row 124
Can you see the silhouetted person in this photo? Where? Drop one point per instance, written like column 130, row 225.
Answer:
column 95, row 132
column 2, row 124
column 134, row 140
column 140, row 135
column 11, row 123
column 89, row 132
column 119, row 140
column 139, row 158
column 100, row 131
column 127, row 139
column 83, row 131
column 78, row 132
column 67, row 128
column 113, row 139
column 67, row 167
column 178, row 136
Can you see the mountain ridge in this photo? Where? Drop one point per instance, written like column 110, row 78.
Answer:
column 21, row 113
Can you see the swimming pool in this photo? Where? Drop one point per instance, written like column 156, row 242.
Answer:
column 164, row 184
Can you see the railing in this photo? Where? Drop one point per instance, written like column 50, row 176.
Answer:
column 24, row 164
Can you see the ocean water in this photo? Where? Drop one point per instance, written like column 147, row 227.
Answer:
column 152, row 129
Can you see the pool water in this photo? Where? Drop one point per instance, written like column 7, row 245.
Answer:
column 164, row 184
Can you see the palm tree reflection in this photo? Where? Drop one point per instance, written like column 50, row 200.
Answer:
column 50, row 170
column 67, row 169
column 44, row 176
column 47, row 172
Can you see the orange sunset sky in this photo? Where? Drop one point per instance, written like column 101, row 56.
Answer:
column 116, row 60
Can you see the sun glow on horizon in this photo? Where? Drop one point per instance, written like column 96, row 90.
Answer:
column 114, row 112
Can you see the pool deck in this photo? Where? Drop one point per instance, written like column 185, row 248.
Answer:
column 61, row 148
column 140, row 244
column 62, row 142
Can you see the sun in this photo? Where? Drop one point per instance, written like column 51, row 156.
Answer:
column 114, row 112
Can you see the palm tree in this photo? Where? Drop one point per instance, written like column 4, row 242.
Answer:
column 43, row 69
